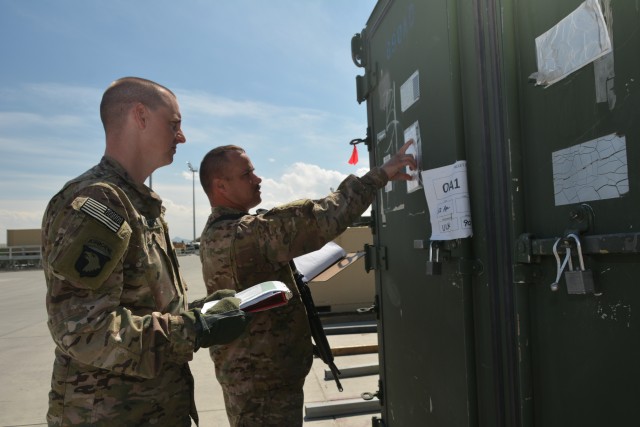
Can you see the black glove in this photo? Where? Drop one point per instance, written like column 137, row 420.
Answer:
column 222, row 293
column 221, row 324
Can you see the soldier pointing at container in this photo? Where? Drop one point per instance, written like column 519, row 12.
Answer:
column 116, row 301
column 262, row 373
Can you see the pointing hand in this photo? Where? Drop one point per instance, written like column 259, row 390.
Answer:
column 395, row 166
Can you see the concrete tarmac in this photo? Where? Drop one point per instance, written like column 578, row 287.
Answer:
column 26, row 360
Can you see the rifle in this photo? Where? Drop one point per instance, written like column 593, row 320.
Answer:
column 321, row 346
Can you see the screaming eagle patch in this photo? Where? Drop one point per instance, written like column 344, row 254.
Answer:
column 95, row 254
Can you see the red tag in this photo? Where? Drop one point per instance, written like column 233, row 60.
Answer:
column 354, row 156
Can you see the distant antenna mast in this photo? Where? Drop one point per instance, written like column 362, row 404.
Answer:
column 193, row 184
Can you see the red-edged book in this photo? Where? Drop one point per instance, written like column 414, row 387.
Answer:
column 262, row 296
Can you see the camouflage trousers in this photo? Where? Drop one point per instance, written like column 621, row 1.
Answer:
column 274, row 407
column 93, row 397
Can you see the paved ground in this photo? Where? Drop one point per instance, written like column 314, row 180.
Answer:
column 26, row 357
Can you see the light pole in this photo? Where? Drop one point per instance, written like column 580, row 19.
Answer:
column 193, row 182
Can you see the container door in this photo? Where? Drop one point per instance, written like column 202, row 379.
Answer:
column 411, row 86
column 580, row 139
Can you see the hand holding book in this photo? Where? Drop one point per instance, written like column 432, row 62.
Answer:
column 262, row 296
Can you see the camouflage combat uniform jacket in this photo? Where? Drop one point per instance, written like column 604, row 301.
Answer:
column 276, row 349
column 114, row 294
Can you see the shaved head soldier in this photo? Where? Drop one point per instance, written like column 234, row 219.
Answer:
column 116, row 301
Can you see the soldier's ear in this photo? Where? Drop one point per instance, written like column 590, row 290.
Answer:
column 219, row 184
column 139, row 112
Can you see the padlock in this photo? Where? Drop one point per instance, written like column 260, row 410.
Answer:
column 434, row 267
column 579, row 282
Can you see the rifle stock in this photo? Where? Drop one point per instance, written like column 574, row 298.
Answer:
column 321, row 346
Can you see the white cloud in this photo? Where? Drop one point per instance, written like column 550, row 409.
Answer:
column 303, row 181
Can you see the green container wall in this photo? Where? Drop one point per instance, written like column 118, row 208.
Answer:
column 487, row 342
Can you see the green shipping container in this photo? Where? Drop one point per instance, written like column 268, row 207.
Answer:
column 508, row 274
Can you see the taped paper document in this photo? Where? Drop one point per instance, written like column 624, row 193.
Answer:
column 579, row 39
column 448, row 199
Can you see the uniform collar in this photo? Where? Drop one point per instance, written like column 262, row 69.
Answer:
column 151, row 200
column 218, row 211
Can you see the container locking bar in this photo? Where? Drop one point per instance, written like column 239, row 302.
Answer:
column 529, row 250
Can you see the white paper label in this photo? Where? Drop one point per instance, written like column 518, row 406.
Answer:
column 448, row 199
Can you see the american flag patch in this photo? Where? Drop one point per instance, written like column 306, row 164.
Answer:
column 112, row 220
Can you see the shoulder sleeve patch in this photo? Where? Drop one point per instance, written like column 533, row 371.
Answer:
column 93, row 239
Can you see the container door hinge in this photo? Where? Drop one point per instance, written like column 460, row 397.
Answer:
column 377, row 421
column 366, row 83
column 357, row 51
column 375, row 258
column 362, row 90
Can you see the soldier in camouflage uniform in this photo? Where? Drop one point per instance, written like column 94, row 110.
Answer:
column 116, row 301
column 262, row 373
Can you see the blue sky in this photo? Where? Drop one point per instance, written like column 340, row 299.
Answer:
column 275, row 77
